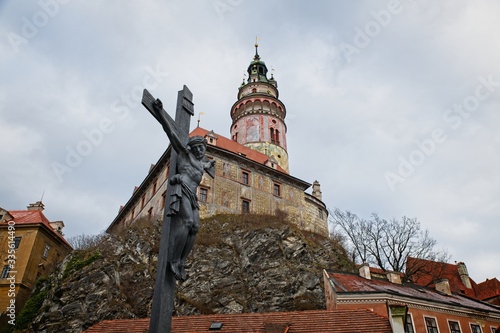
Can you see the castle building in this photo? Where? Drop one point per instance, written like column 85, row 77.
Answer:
column 251, row 168
column 30, row 247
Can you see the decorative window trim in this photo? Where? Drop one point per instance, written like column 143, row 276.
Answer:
column 435, row 322
column 143, row 201
column 245, row 181
column 247, row 202
column 453, row 330
column 279, row 186
column 476, row 325
column 411, row 323
column 163, row 198
column 203, row 197
column 155, row 183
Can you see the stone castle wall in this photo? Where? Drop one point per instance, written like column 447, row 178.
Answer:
column 226, row 193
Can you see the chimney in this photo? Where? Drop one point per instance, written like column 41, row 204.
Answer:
column 316, row 190
column 36, row 206
column 394, row 277
column 364, row 271
column 58, row 226
column 443, row 286
column 464, row 274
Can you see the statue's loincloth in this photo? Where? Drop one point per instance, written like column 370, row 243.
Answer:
column 180, row 190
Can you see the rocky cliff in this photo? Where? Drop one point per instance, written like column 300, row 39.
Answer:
column 248, row 263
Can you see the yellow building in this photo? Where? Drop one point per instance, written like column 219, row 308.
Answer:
column 30, row 247
column 251, row 169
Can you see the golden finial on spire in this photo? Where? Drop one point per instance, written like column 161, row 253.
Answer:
column 199, row 118
column 257, row 57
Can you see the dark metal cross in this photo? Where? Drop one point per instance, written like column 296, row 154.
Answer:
column 164, row 291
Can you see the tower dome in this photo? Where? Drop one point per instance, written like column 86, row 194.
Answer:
column 259, row 116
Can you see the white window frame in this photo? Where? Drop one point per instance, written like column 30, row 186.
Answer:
column 435, row 319
column 475, row 324
column 412, row 322
column 455, row 321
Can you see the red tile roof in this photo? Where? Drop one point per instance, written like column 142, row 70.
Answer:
column 318, row 321
column 29, row 216
column 235, row 147
column 34, row 217
column 488, row 289
column 351, row 283
column 428, row 271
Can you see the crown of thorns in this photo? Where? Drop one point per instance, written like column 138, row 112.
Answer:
column 196, row 140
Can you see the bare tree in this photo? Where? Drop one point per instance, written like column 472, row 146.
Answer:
column 387, row 244
column 84, row 242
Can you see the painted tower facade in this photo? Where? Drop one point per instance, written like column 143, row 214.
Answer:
column 259, row 116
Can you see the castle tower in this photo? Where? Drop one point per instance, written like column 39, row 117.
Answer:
column 259, row 116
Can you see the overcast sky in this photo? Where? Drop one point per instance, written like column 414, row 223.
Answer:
column 392, row 105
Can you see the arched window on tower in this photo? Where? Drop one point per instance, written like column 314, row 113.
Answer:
column 277, row 137
column 271, row 135
column 235, row 136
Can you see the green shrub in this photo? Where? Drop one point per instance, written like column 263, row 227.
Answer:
column 32, row 305
column 76, row 263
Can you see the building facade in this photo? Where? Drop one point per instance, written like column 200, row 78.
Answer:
column 251, row 169
column 30, row 247
column 410, row 308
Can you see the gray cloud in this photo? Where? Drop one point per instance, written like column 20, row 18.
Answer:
column 351, row 117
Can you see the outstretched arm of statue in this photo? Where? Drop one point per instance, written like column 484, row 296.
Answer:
column 209, row 167
column 167, row 127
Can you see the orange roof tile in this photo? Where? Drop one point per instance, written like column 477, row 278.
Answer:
column 317, row 321
column 488, row 289
column 235, row 147
column 428, row 271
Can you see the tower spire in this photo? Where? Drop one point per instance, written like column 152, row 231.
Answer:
column 256, row 57
column 259, row 116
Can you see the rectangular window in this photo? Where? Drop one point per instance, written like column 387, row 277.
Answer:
column 409, row 324
column 245, row 206
column 244, row 177
column 277, row 190
column 150, row 213
column 203, row 194
column 454, row 327
column 17, row 240
column 431, row 325
column 143, row 201
column 493, row 329
column 163, row 198
column 320, row 213
column 46, row 251
column 271, row 134
column 475, row 328
column 5, row 272
column 154, row 187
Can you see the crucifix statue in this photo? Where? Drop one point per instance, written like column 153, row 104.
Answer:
column 181, row 216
